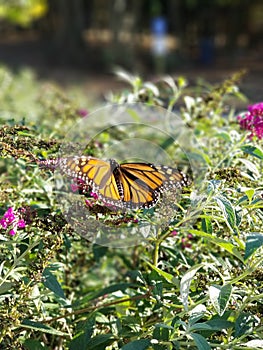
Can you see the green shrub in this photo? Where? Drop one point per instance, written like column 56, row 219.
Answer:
column 194, row 286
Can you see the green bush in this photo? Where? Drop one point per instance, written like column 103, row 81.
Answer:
column 194, row 286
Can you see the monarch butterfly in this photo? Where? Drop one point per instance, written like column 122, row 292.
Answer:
column 126, row 185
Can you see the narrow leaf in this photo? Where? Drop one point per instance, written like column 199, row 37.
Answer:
column 253, row 150
column 253, row 242
column 200, row 342
column 167, row 276
column 207, row 224
column 250, row 166
column 220, row 296
column 141, row 344
column 186, row 282
column 100, row 341
column 33, row 344
column 228, row 211
column 244, row 324
column 5, row 287
column 37, row 326
column 50, row 281
column 113, row 288
column 228, row 246
column 217, row 324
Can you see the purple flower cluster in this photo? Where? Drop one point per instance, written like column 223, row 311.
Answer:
column 12, row 221
column 185, row 241
column 253, row 120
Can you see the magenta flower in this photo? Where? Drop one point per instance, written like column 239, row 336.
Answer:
column 82, row 112
column 88, row 203
column 94, row 195
column 174, row 233
column 253, row 120
column 12, row 221
column 74, row 187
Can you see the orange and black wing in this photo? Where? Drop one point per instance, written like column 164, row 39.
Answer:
column 129, row 185
column 95, row 173
column 142, row 183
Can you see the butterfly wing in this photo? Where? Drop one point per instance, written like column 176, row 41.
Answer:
column 129, row 185
column 95, row 173
column 142, row 183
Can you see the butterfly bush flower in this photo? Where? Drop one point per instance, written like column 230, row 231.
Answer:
column 174, row 233
column 94, row 195
column 12, row 221
column 253, row 120
column 82, row 112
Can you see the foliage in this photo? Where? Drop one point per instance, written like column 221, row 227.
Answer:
column 22, row 12
column 195, row 286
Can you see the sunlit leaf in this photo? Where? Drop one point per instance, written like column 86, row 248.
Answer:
column 186, row 283
column 226, row 245
column 253, row 242
column 228, row 211
column 253, row 150
column 220, row 296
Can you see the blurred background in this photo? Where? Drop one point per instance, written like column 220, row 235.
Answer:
column 81, row 41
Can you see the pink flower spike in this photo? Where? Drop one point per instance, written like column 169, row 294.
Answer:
column 10, row 211
column 174, row 233
column 74, row 187
column 12, row 232
column 253, row 120
column 94, row 195
column 21, row 224
column 3, row 223
column 9, row 215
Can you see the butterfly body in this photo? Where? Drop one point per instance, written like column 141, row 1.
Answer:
column 126, row 185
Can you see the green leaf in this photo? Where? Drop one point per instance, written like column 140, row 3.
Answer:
column 141, row 344
column 213, row 186
column 37, row 326
column 186, row 282
column 200, row 326
column 84, row 334
column 253, row 242
column 167, row 276
column 50, row 282
column 100, row 341
column 244, row 324
column 224, row 135
column 99, row 251
column 228, row 211
column 220, row 296
column 161, row 333
column 32, row 344
column 207, row 224
column 113, row 288
column 217, row 324
column 228, row 246
column 250, row 193
column 5, row 287
column 199, row 157
column 200, row 342
column 250, row 166
column 253, row 150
